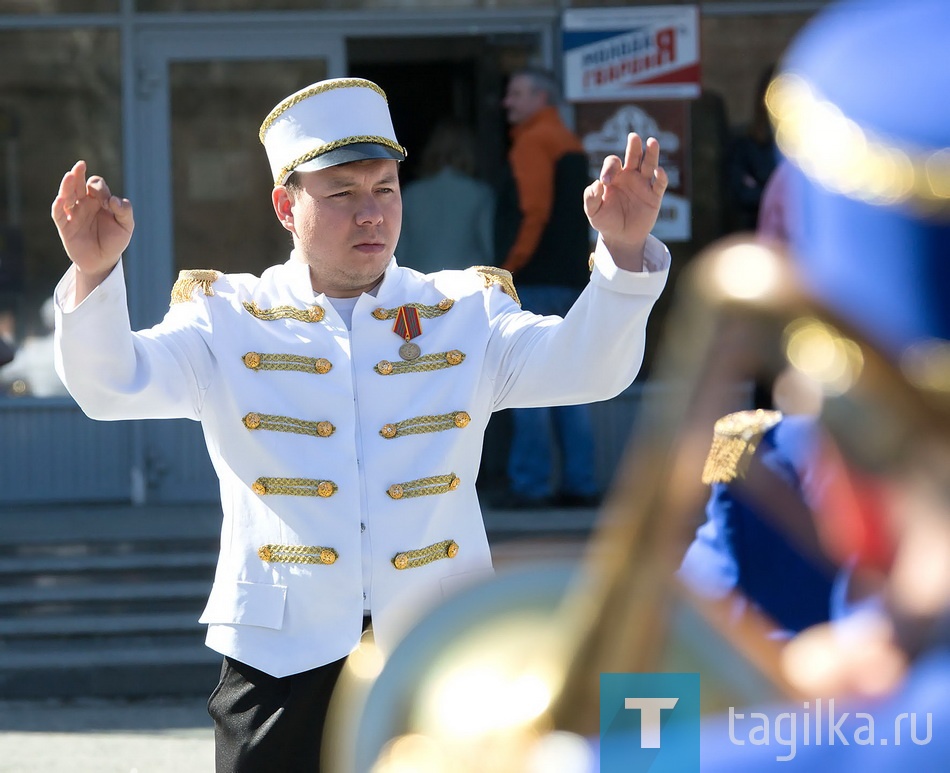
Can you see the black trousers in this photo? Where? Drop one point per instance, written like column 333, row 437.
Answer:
column 269, row 724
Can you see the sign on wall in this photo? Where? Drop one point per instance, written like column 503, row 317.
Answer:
column 603, row 128
column 635, row 70
column 649, row 52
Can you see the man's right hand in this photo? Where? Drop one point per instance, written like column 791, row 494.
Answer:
column 94, row 226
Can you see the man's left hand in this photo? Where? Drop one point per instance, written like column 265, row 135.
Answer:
column 624, row 203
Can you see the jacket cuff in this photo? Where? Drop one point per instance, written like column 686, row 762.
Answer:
column 656, row 269
column 65, row 290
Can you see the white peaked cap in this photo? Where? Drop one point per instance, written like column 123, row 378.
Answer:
column 328, row 123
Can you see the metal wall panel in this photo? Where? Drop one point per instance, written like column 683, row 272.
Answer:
column 51, row 452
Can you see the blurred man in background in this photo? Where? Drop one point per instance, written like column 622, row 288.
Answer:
column 542, row 238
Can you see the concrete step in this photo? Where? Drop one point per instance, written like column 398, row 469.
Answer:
column 110, row 671
column 48, row 570
column 104, row 602
column 120, row 598
column 21, row 595
column 10, row 567
column 98, row 626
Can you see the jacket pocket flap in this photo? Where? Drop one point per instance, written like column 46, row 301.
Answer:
column 245, row 603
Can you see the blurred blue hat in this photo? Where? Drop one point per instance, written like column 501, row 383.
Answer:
column 861, row 107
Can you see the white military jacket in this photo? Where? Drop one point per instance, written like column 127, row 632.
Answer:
column 323, row 437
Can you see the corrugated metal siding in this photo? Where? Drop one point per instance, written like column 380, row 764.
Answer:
column 180, row 469
column 51, row 452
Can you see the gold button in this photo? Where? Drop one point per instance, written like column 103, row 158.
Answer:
column 327, row 556
column 454, row 357
column 446, row 303
column 395, row 491
column 315, row 313
column 263, row 553
column 388, row 431
column 252, row 360
column 258, row 488
column 452, row 550
column 252, row 420
column 322, row 365
column 462, row 419
column 380, row 313
column 401, row 561
column 325, row 428
column 325, row 488
column 385, row 367
column 454, row 484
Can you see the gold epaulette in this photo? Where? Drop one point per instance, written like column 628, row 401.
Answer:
column 500, row 277
column 190, row 279
column 735, row 439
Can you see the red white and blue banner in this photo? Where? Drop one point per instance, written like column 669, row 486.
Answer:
column 648, row 52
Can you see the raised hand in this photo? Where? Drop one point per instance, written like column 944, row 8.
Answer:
column 624, row 203
column 94, row 226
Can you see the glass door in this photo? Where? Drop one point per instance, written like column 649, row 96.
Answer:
column 201, row 186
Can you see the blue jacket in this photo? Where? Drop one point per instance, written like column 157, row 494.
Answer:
column 739, row 549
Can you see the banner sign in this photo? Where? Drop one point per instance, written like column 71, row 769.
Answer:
column 649, row 52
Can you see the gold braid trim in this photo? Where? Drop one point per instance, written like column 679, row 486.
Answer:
column 261, row 361
column 342, row 83
column 500, row 277
column 425, row 311
column 420, row 425
column 189, row 279
column 297, row 554
column 410, row 559
column 340, row 143
column 424, row 487
column 254, row 421
column 309, row 314
column 735, row 439
column 421, row 364
column 294, row 487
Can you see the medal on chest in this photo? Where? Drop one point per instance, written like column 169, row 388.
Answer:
column 407, row 326
column 407, row 323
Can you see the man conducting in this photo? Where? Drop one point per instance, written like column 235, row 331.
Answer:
column 343, row 399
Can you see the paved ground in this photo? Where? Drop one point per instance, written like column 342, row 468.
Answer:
column 166, row 736
column 156, row 736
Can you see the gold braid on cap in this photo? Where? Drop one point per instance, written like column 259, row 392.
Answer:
column 500, row 277
column 328, row 146
column 190, row 279
column 851, row 160
column 735, row 439
column 320, row 88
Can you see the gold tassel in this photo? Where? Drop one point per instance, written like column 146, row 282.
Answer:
column 500, row 277
column 736, row 437
column 190, row 279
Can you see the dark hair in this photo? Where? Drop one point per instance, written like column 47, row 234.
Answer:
column 293, row 182
column 451, row 144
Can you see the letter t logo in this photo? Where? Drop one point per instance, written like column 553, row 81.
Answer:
column 630, row 727
column 649, row 718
